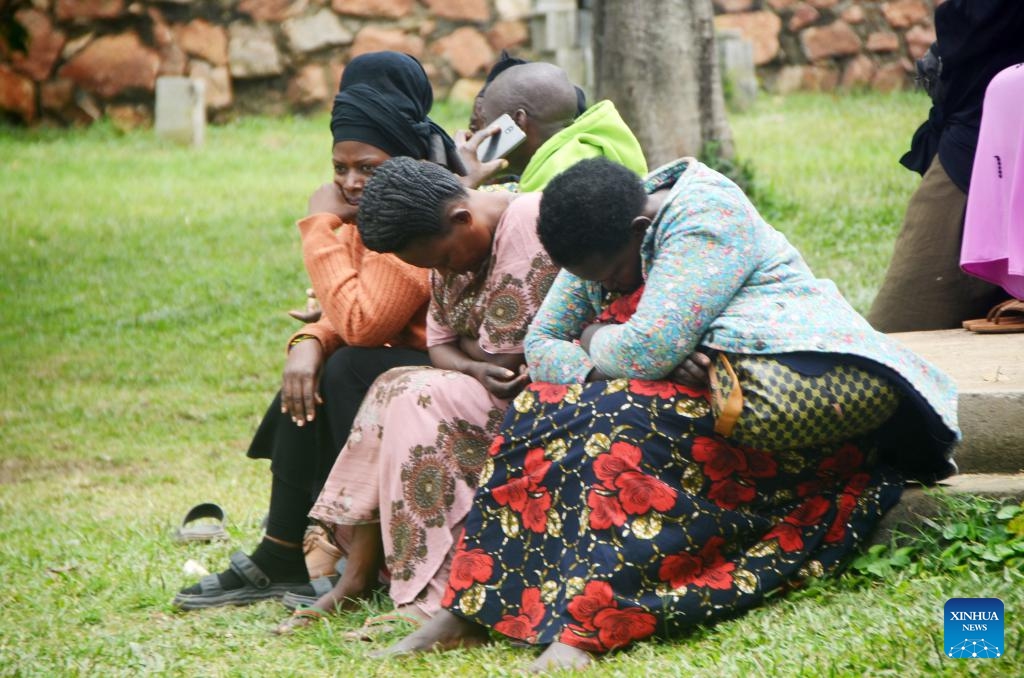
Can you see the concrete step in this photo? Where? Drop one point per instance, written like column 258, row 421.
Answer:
column 918, row 504
column 989, row 370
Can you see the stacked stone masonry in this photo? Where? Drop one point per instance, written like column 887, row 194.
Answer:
column 829, row 44
column 88, row 58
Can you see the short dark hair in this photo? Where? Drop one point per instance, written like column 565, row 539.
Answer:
column 405, row 199
column 588, row 209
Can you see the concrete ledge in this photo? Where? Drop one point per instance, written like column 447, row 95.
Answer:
column 989, row 371
column 918, row 504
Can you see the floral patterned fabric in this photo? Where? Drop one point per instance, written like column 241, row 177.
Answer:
column 421, row 435
column 496, row 304
column 610, row 512
column 718, row 275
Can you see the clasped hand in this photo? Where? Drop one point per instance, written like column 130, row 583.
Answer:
column 499, row 381
column 693, row 372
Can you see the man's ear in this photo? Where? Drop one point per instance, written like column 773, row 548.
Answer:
column 638, row 227
column 521, row 118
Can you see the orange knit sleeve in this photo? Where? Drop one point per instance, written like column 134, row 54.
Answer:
column 369, row 298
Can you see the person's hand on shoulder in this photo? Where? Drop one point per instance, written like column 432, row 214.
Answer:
column 328, row 198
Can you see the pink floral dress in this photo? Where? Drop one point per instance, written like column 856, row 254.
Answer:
column 421, row 436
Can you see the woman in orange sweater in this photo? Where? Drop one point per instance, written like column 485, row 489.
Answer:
column 374, row 308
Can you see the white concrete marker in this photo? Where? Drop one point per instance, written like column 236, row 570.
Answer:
column 181, row 109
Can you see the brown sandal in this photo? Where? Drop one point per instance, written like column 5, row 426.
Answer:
column 301, row 618
column 1003, row 318
column 374, row 627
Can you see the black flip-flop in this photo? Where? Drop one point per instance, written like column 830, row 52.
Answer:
column 191, row 530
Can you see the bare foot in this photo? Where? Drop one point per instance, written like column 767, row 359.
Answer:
column 445, row 631
column 561, row 656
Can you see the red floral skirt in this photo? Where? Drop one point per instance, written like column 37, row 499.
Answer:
column 611, row 512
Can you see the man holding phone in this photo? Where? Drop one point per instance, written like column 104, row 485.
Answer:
column 543, row 104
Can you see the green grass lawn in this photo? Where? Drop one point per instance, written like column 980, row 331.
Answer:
column 143, row 295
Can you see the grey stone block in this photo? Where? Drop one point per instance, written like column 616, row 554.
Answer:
column 181, row 110
column 252, row 52
column 989, row 372
column 310, row 33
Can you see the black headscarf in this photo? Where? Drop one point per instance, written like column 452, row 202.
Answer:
column 383, row 100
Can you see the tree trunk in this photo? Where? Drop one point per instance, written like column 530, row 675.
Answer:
column 657, row 61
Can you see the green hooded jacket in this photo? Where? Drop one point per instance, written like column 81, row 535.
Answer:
column 600, row 131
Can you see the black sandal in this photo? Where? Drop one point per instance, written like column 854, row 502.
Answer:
column 256, row 586
column 191, row 530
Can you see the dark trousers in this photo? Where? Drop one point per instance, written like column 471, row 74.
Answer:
column 302, row 457
column 924, row 288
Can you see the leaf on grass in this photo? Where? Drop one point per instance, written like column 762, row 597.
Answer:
column 879, row 568
column 1008, row 512
column 1004, row 551
column 949, row 552
column 1016, row 526
column 954, row 531
column 901, row 557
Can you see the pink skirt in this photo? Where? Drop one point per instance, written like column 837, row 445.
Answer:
column 411, row 464
column 993, row 242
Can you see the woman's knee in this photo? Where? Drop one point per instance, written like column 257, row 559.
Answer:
column 346, row 372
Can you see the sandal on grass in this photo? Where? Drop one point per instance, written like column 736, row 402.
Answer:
column 374, row 627
column 191, row 530
column 256, row 586
column 305, row 595
column 1003, row 318
column 302, row 617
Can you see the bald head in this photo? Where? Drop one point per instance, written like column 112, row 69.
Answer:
column 539, row 97
column 542, row 90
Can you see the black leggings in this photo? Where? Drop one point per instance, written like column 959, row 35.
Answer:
column 302, row 458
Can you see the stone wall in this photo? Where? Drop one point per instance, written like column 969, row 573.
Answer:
column 89, row 58
column 829, row 44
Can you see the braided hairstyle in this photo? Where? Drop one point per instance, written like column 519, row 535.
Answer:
column 588, row 209
column 404, row 200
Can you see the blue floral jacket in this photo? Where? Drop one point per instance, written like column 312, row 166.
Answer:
column 716, row 274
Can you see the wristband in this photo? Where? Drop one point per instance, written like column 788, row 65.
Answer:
column 298, row 340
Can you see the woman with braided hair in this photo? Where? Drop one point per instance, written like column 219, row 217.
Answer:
column 374, row 308
column 405, row 478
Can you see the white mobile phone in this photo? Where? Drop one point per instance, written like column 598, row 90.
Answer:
column 499, row 145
